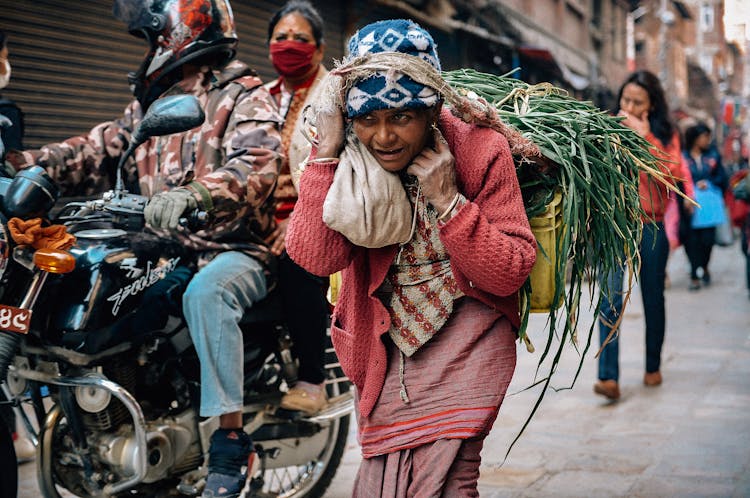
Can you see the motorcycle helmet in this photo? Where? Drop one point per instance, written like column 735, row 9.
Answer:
column 177, row 32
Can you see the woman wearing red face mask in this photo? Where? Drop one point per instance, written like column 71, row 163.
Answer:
column 296, row 47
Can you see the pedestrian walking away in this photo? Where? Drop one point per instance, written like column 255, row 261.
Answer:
column 741, row 192
column 710, row 181
column 426, row 319
column 642, row 103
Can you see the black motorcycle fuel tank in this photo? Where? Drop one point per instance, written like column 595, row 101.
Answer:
column 113, row 270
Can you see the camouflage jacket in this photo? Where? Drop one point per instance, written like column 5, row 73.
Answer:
column 234, row 155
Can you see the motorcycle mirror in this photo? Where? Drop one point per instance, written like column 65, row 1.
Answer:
column 167, row 115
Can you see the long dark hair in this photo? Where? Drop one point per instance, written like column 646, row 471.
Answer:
column 692, row 134
column 658, row 114
column 306, row 10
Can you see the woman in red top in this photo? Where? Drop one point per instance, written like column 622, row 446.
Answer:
column 425, row 329
column 642, row 104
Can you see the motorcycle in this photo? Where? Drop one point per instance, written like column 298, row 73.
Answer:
column 117, row 415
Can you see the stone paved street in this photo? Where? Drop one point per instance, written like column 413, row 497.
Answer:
column 688, row 438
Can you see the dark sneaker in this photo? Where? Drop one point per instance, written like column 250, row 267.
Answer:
column 229, row 458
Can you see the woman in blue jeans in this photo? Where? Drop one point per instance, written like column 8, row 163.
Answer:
column 642, row 104
column 654, row 250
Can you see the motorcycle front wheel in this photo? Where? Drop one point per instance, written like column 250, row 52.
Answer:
column 311, row 479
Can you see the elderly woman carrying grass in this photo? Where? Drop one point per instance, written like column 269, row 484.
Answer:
column 424, row 326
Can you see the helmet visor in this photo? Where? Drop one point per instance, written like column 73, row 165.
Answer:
column 136, row 14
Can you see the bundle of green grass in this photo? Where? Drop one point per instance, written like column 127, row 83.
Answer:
column 595, row 163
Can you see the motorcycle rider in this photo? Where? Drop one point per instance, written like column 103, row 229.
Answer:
column 228, row 167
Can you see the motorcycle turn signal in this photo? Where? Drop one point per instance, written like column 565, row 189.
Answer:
column 54, row 261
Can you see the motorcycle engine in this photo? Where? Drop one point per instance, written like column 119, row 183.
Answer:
column 173, row 447
column 173, row 444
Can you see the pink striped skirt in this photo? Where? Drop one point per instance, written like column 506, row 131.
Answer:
column 455, row 384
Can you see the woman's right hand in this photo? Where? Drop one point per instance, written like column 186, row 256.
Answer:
column 330, row 131
column 639, row 125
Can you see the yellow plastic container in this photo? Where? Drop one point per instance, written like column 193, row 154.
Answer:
column 546, row 227
column 334, row 285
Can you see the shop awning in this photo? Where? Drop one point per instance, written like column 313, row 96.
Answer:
column 545, row 59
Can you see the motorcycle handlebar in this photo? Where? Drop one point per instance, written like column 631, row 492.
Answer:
column 195, row 220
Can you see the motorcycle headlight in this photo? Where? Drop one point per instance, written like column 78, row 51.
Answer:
column 31, row 193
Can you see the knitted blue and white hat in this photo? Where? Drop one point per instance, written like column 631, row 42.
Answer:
column 391, row 89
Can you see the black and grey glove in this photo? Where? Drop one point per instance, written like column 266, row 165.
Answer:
column 165, row 208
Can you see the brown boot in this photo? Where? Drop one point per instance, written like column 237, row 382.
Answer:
column 608, row 388
column 652, row 378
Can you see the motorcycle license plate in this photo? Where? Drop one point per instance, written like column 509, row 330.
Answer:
column 14, row 319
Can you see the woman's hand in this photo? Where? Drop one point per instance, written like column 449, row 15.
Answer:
column 702, row 184
column 436, row 171
column 276, row 239
column 640, row 125
column 330, row 131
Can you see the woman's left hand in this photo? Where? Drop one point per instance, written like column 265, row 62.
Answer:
column 435, row 169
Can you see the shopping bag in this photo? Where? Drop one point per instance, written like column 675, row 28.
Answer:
column 724, row 233
column 711, row 212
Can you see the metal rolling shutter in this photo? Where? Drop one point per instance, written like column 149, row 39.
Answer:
column 70, row 59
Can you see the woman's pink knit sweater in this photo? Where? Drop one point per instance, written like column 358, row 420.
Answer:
column 489, row 240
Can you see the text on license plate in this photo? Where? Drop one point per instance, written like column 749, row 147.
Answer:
column 14, row 319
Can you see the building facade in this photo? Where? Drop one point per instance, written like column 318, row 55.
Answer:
column 70, row 58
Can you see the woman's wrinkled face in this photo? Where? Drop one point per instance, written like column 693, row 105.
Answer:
column 395, row 136
column 635, row 101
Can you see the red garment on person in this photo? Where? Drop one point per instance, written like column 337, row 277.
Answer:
column 654, row 194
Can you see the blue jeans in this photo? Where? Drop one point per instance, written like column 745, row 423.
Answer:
column 213, row 304
column 654, row 251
